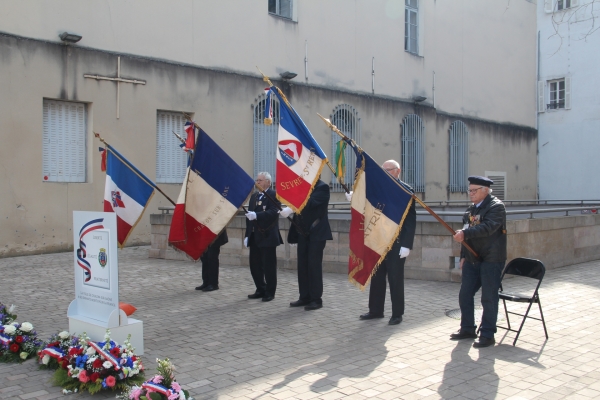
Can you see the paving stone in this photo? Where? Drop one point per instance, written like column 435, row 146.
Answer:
column 230, row 348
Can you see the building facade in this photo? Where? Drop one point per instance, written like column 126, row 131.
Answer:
column 408, row 80
column 568, row 99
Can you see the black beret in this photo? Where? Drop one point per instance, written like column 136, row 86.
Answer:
column 480, row 180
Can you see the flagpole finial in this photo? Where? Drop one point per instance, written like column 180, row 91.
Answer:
column 265, row 78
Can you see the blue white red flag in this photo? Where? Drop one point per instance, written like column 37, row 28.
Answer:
column 127, row 193
column 379, row 206
column 215, row 187
column 299, row 157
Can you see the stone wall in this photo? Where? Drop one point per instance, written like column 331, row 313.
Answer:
column 556, row 241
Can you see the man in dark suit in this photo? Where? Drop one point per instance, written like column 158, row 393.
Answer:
column 393, row 264
column 263, row 237
column 314, row 231
column 210, row 264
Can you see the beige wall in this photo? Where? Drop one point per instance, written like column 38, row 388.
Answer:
column 483, row 53
column 220, row 85
column 556, row 241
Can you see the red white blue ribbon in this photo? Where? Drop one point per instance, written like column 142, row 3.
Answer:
column 107, row 356
column 5, row 340
column 53, row 352
column 155, row 387
column 81, row 253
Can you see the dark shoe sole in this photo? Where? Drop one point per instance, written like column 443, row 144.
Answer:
column 268, row 298
column 299, row 303
column 316, row 307
column 366, row 317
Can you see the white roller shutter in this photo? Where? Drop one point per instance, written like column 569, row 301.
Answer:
column 171, row 160
column 64, row 141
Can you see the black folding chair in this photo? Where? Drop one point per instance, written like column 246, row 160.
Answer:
column 528, row 268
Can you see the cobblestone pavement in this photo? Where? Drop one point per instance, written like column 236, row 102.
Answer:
column 226, row 346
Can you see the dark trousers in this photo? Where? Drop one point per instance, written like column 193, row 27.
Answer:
column 393, row 268
column 484, row 275
column 210, row 265
column 310, row 269
column 263, row 267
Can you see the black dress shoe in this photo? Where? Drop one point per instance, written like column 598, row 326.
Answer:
column 484, row 342
column 268, row 298
column 299, row 303
column 370, row 316
column 210, row 288
column 201, row 286
column 256, row 296
column 463, row 334
column 313, row 305
column 395, row 320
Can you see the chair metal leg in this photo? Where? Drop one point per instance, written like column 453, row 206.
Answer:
column 542, row 314
column 506, row 313
column 523, row 322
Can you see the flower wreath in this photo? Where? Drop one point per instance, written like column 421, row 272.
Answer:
column 93, row 366
column 18, row 342
column 162, row 386
column 54, row 354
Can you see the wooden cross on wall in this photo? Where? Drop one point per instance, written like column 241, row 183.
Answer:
column 117, row 79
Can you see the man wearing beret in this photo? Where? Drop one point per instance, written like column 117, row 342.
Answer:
column 484, row 231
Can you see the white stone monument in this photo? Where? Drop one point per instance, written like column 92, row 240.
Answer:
column 96, row 305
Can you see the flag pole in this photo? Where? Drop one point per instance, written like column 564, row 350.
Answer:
column 425, row 206
column 126, row 163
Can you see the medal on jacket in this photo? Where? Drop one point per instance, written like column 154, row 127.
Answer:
column 259, row 203
column 474, row 220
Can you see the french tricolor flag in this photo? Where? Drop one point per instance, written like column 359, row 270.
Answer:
column 127, row 193
column 379, row 208
column 215, row 187
column 299, row 156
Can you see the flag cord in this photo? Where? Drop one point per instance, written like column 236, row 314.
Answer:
column 425, row 206
column 128, row 166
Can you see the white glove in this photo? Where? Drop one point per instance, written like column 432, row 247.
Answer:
column 404, row 252
column 286, row 212
column 348, row 196
column 245, row 242
column 251, row 215
column 293, row 244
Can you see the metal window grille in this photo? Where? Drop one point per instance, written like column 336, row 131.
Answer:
column 499, row 186
column 171, row 160
column 411, row 18
column 345, row 117
column 283, row 8
column 64, row 141
column 413, row 152
column 265, row 139
column 563, row 4
column 459, row 157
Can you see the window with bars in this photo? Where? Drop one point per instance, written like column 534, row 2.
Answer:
column 411, row 26
column 557, row 94
column 413, row 152
column 64, row 141
column 345, row 117
column 282, row 8
column 265, row 139
column 563, row 4
column 171, row 160
column 459, row 157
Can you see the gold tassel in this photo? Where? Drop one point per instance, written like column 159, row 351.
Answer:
column 268, row 121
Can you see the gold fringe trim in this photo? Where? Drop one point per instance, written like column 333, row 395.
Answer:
column 299, row 209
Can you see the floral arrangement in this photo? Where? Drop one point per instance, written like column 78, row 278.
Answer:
column 161, row 387
column 54, row 354
column 93, row 366
column 18, row 342
column 6, row 314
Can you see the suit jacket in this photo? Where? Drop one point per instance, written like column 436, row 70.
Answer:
column 313, row 219
column 264, row 230
column 407, row 234
column 486, row 232
column 221, row 239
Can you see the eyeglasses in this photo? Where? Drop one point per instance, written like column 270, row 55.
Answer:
column 473, row 191
column 390, row 169
column 260, row 180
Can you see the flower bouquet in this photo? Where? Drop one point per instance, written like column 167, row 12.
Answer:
column 18, row 342
column 161, row 387
column 54, row 354
column 94, row 366
column 6, row 314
